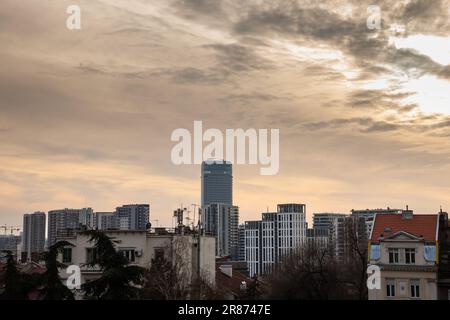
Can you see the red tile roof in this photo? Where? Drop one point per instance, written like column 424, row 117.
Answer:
column 423, row 225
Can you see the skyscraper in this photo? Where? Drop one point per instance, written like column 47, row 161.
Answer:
column 106, row 220
column 217, row 183
column 277, row 235
column 133, row 216
column 68, row 219
column 33, row 242
column 222, row 221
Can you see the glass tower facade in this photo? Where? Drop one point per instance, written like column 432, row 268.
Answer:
column 217, row 183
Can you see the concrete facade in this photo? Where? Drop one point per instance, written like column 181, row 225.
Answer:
column 197, row 255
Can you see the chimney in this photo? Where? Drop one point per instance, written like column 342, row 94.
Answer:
column 227, row 270
column 407, row 214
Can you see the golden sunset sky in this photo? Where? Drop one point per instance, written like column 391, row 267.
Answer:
column 86, row 115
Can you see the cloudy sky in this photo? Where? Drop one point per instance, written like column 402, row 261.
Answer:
column 86, row 115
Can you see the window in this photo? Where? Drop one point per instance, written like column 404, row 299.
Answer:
column 410, row 256
column 67, row 255
column 129, row 254
column 415, row 289
column 91, row 255
column 393, row 255
column 390, row 288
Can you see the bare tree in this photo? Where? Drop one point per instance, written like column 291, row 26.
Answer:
column 170, row 274
column 355, row 264
column 308, row 273
column 314, row 271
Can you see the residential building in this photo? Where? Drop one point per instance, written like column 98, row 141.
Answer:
column 11, row 243
column 105, row 221
column 369, row 215
column 326, row 220
column 278, row 234
column 68, row 219
column 194, row 255
column 326, row 224
column 348, row 238
column 222, row 221
column 241, row 242
column 232, row 281
column 133, row 216
column 217, row 182
column 319, row 237
column 405, row 248
column 33, row 241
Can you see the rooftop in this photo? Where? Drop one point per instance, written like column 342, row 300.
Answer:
column 420, row 225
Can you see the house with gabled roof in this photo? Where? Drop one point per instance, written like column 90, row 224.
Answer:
column 405, row 247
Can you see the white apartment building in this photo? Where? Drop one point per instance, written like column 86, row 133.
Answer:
column 195, row 254
column 276, row 235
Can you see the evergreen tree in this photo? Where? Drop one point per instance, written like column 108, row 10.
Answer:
column 119, row 280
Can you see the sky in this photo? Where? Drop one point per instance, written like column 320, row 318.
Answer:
column 86, row 115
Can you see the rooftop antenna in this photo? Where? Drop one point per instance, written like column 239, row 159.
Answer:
column 178, row 214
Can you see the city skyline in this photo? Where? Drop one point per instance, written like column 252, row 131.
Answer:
column 86, row 115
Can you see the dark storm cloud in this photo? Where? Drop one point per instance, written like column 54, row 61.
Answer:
column 351, row 35
column 379, row 100
column 381, row 126
column 290, row 18
column 366, row 125
column 210, row 7
column 237, row 58
column 254, row 97
column 423, row 9
column 196, row 76
column 426, row 15
column 408, row 59
column 370, row 125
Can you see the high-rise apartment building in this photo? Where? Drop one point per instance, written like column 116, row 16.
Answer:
column 68, row 219
column 325, row 220
column 369, row 215
column 10, row 243
column 241, row 243
column 133, row 216
column 325, row 225
column 222, row 221
column 33, row 242
column 217, row 183
column 278, row 234
column 105, row 221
